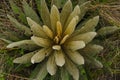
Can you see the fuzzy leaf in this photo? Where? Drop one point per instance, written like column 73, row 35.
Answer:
column 74, row 45
column 40, row 72
column 18, row 11
column 84, row 8
column 45, row 14
column 58, row 3
column 24, row 44
column 54, row 17
column 59, row 28
column 38, row 56
column 41, row 41
column 59, row 58
column 107, row 30
column 71, row 26
column 66, row 10
column 29, row 12
column 75, row 57
column 20, row 26
column 92, row 49
column 88, row 26
column 86, row 37
column 26, row 58
column 48, row 31
column 72, row 69
column 9, row 36
column 51, row 65
column 36, row 28
column 92, row 62
column 75, row 12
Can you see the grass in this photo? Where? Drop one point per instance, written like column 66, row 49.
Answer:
column 110, row 56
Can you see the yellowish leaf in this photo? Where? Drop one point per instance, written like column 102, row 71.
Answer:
column 48, row 31
column 66, row 10
column 51, row 65
column 36, row 28
column 59, row 58
column 41, row 41
column 72, row 69
column 54, row 17
column 75, row 57
column 74, row 45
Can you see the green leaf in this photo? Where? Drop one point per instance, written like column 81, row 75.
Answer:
column 107, row 30
column 72, row 69
column 29, row 12
column 88, row 26
column 92, row 49
column 74, row 13
column 92, row 62
column 66, row 10
column 9, row 36
column 25, row 58
column 54, row 17
column 81, row 1
column 86, row 37
column 5, row 40
column 83, row 75
column 84, row 8
column 64, row 74
column 58, row 3
column 45, row 14
column 40, row 72
column 18, row 11
column 24, row 44
column 19, row 25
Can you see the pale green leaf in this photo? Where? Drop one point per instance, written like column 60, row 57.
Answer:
column 38, row 56
column 51, row 65
column 86, row 37
column 75, row 57
column 74, row 45
column 66, row 10
column 84, row 7
column 88, row 26
column 71, row 26
column 74, row 13
column 48, row 31
column 29, row 12
column 54, row 17
column 92, row 49
column 58, row 3
column 26, row 58
column 93, row 62
column 9, row 36
column 40, row 72
column 72, row 69
column 45, row 14
column 20, row 26
column 18, row 11
column 5, row 40
column 59, row 58
column 36, row 28
column 107, row 30
column 41, row 41
column 24, row 44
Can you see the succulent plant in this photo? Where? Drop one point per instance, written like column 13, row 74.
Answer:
column 59, row 40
